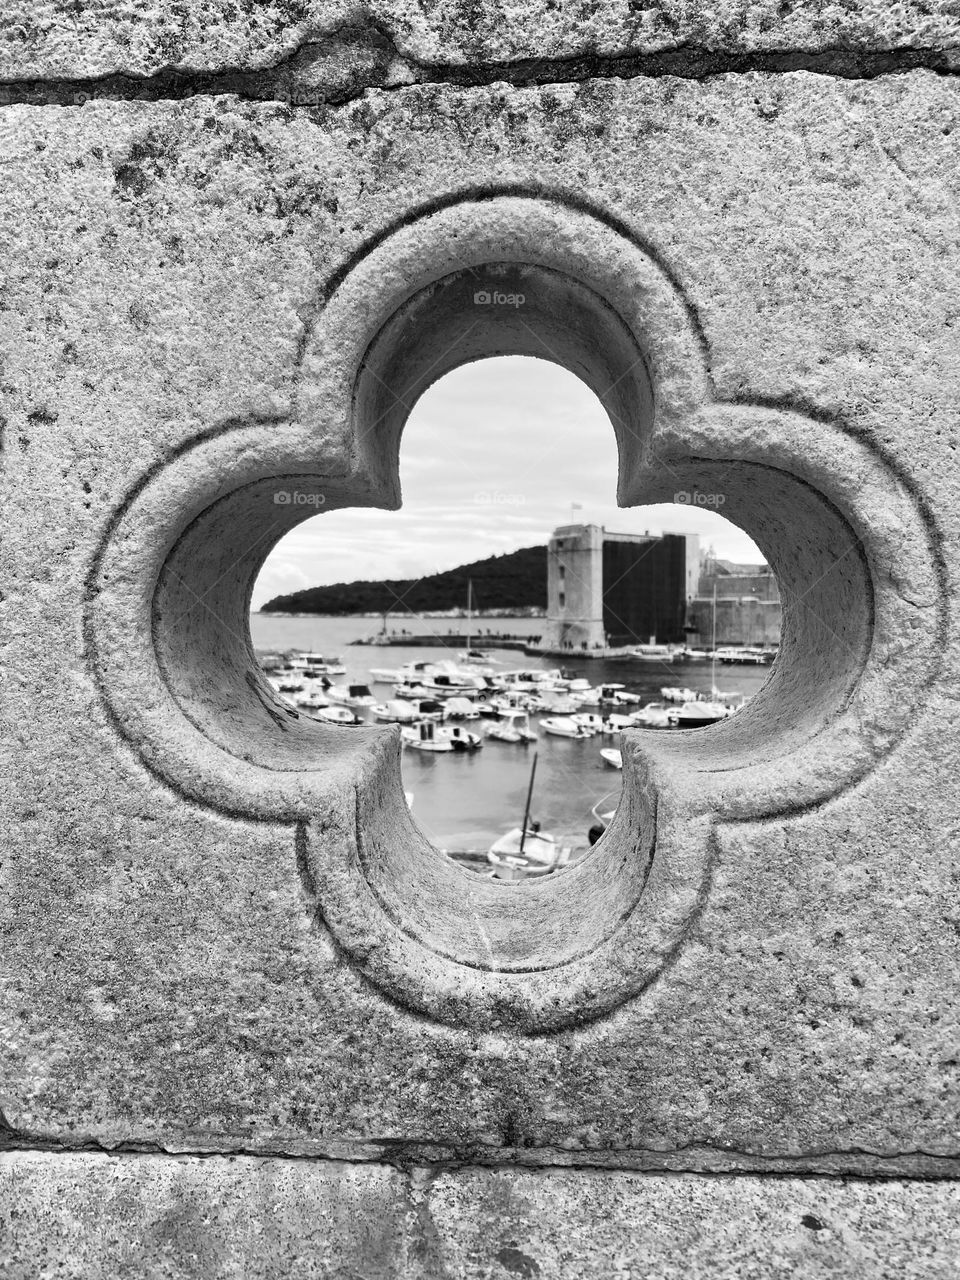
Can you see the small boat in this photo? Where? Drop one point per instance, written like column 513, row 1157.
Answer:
column 655, row 715
column 590, row 721
column 526, row 850
column 351, row 695
column 696, row 715
column 286, row 685
column 384, row 675
column 564, row 727
column 615, row 695
column 461, row 709
column 428, row 708
column 532, row 852
column 396, row 711
column 425, row 736
column 558, row 702
column 471, row 657
column 312, row 700
column 612, row 757
column 514, row 726
column 671, row 693
column 338, row 715
column 617, row 724
column 652, row 653
column 428, row 736
column 317, row 664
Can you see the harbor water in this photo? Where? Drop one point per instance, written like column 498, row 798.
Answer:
column 468, row 800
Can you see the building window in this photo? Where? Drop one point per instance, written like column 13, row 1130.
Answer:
column 563, row 599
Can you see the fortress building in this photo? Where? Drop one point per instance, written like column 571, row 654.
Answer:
column 614, row 589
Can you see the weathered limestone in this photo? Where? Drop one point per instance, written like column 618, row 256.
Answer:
column 221, row 933
column 103, row 1216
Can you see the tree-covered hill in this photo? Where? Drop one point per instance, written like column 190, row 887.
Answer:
column 517, row 580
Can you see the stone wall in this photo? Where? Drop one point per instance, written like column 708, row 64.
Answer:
column 250, row 1021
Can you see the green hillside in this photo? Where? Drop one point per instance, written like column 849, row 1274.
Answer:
column 517, row 580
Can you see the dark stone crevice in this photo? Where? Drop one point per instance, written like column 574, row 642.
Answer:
column 700, row 1158
column 340, row 69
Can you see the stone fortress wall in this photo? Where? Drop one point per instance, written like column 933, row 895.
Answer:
column 252, row 1025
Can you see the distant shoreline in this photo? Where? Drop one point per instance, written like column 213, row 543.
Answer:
column 531, row 612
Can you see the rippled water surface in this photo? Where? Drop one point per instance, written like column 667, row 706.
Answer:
column 465, row 801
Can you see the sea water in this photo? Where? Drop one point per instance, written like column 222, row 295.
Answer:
column 466, row 800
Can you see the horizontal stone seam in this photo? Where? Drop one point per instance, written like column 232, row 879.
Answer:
column 279, row 83
column 635, row 1161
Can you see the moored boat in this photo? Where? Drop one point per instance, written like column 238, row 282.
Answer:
column 514, row 726
column 697, row 715
column 396, row 711
column 564, row 727
column 338, row 715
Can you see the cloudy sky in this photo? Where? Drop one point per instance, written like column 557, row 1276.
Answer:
column 493, row 456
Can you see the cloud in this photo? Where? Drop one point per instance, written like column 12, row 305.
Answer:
column 493, row 456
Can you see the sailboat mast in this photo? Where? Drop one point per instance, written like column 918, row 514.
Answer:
column 526, row 812
column 469, row 612
column 713, row 649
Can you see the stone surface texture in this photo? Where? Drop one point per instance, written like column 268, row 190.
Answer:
column 402, row 38
column 184, row 306
column 106, row 1216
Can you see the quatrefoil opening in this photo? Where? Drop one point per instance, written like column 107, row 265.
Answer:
column 850, row 542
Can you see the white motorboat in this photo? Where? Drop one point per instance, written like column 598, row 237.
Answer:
column 428, row 736
column 653, row 653
column 696, row 715
column 558, row 702
column 428, row 709
column 461, row 709
column 616, row 724
column 745, row 656
column 612, row 757
column 425, row 736
column 317, row 664
column 338, row 715
column 312, row 700
column 514, row 726
column 396, row 711
column 410, row 673
column 672, row 693
column 446, row 684
column 589, row 720
column 351, row 695
column 564, row 727
column 285, row 684
column 477, row 657
column 694, row 655
column 615, row 695
column 384, row 675
column 655, row 715
column 504, row 703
